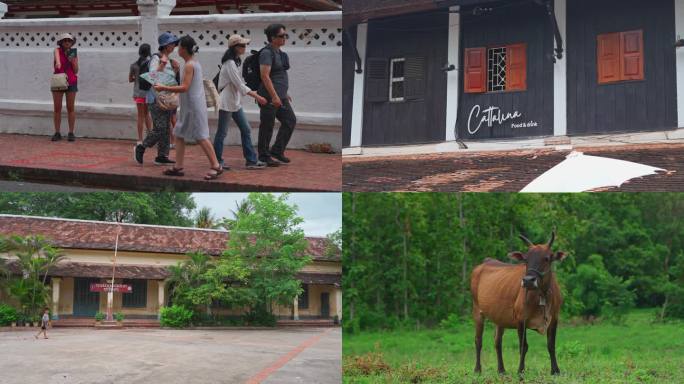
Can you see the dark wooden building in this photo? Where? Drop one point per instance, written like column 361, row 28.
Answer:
column 431, row 71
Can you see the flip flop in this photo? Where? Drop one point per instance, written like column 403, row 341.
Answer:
column 214, row 176
column 174, row 172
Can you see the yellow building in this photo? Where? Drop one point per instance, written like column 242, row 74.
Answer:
column 144, row 253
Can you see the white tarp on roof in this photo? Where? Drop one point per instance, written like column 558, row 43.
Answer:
column 580, row 172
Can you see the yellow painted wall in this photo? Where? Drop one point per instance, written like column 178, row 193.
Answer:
column 122, row 257
column 152, row 305
column 66, row 299
column 314, row 309
column 66, row 296
column 323, row 267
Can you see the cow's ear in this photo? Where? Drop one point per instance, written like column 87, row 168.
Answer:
column 559, row 256
column 517, row 256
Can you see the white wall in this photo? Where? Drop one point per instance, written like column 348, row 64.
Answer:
column 560, row 78
column 679, row 31
column 104, row 103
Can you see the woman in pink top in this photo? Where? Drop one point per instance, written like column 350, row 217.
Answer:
column 65, row 61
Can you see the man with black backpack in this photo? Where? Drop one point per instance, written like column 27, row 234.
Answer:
column 273, row 85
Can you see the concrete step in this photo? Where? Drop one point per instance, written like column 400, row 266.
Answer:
column 307, row 323
column 82, row 322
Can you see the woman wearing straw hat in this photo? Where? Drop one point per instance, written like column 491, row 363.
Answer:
column 65, row 61
column 232, row 87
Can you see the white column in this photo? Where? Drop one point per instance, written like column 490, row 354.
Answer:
column 453, row 76
column 296, row 308
column 55, row 297
column 679, row 30
column 110, row 305
column 160, row 295
column 560, row 78
column 338, row 303
column 150, row 11
column 359, row 78
column 3, row 10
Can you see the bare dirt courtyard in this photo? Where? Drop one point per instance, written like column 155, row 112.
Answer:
column 83, row 355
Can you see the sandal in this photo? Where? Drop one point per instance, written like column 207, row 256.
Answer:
column 174, row 172
column 214, row 176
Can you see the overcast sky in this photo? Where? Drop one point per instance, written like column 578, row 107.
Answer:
column 322, row 212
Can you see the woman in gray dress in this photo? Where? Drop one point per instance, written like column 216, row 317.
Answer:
column 192, row 123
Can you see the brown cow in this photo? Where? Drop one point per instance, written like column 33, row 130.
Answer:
column 519, row 296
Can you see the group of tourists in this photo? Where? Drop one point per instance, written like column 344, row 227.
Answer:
column 261, row 76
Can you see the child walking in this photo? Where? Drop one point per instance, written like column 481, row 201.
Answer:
column 44, row 322
column 140, row 88
column 192, row 123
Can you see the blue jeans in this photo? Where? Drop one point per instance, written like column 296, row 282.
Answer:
column 245, row 135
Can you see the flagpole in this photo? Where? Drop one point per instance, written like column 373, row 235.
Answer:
column 110, row 294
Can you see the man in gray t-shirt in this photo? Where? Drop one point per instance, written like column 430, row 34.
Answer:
column 273, row 65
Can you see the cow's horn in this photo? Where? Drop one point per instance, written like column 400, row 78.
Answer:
column 553, row 237
column 525, row 239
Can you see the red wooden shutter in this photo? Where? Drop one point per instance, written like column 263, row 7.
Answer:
column 516, row 67
column 475, row 73
column 632, row 54
column 608, row 57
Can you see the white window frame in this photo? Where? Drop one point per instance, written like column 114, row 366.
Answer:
column 490, row 70
column 395, row 79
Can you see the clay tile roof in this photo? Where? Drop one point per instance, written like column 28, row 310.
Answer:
column 83, row 234
column 320, row 278
column 123, row 271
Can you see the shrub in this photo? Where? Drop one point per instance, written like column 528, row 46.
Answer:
column 351, row 326
column 8, row 314
column 453, row 322
column 596, row 292
column 175, row 316
column 371, row 363
column 99, row 316
column 262, row 318
column 119, row 316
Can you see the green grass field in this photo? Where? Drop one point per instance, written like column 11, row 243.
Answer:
column 639, row 351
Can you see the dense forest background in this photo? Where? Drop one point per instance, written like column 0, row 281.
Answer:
column 407, row 257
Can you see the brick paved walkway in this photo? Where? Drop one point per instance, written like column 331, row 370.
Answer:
column 110, row 164
column 502, row 171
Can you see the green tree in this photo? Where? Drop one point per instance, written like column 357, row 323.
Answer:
column 242, row 207
column 35, row 256
column 205, row 218
column 161, row 208
column 201, row 281
column 407, row 258
column 273, row 247
column 597, row 291
column 333, row 244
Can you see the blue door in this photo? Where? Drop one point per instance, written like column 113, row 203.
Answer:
column 86, row 303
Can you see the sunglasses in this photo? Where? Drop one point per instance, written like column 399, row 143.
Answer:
column 241, row 45
column 283, row 36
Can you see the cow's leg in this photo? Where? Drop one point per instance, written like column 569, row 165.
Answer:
column 479, row 328
column 551, row 344
column 522, row 340
column 497, row 343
